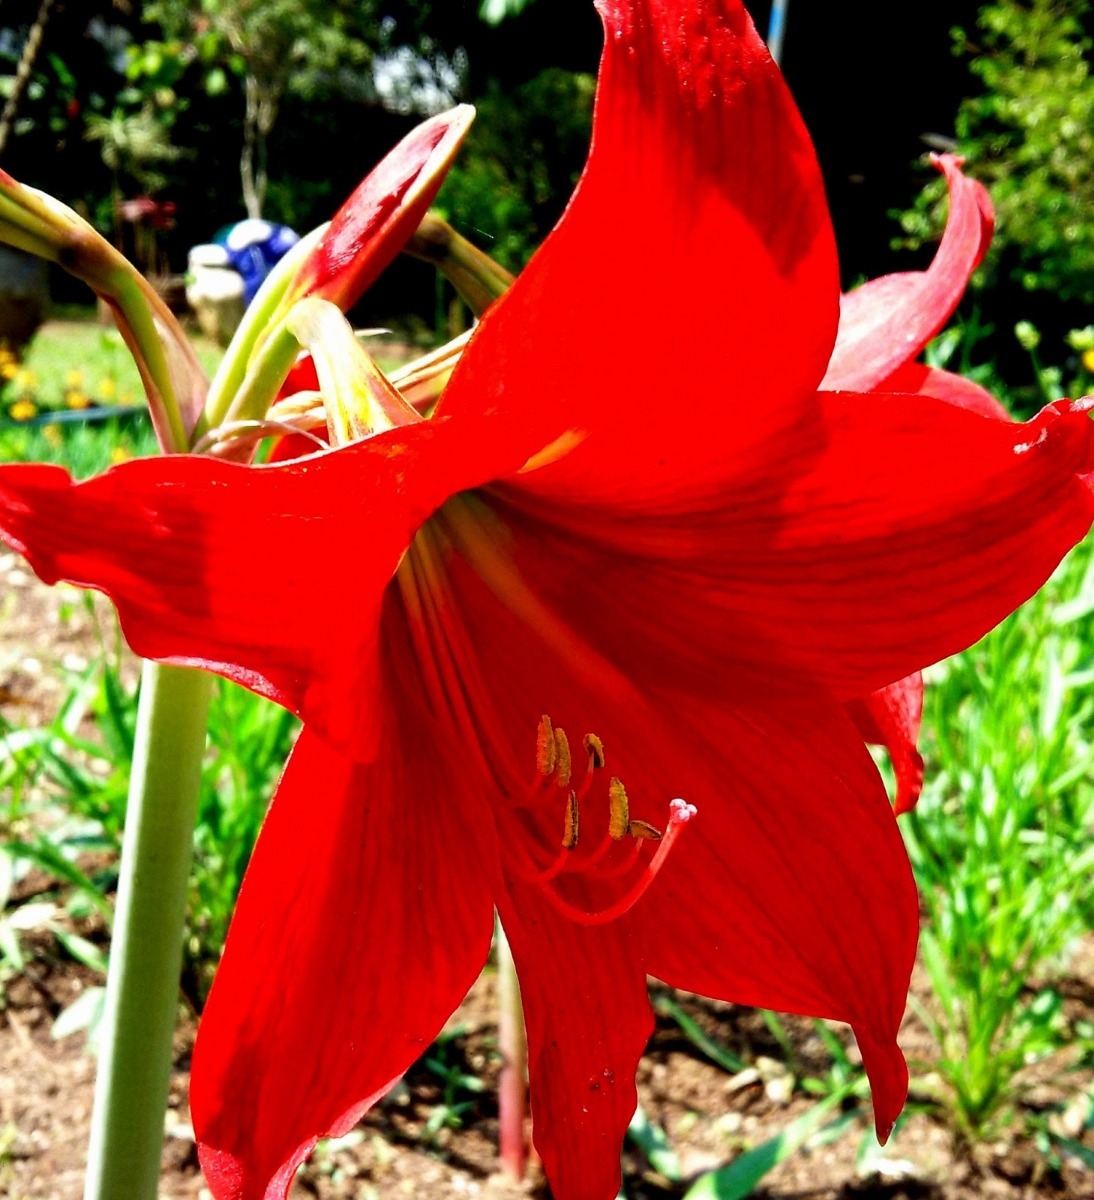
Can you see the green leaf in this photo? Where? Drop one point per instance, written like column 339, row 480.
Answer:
column 740, row 1177
column 10, row 949
column 655, row 1145
column 83, row 1014
column 1077, row 1150
column 82, row 950
column 46, row 856
column 7, row 877
column 718, row 1054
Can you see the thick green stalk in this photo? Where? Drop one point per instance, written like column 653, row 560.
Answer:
column 142, row 988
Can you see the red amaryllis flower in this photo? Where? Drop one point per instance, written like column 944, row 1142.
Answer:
column 633, row 511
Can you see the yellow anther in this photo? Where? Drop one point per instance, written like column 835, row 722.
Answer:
column 570, row 826
column 546, row 754
column 620, row 817
column 562, row 764
column 594, row 747
column 644, row 831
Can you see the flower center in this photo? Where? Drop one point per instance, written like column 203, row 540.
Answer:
column 630, row 873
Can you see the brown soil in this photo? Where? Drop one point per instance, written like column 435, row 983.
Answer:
column 709, row 1114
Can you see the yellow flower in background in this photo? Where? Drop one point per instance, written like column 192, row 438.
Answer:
column 1088, row 360
column 24, row 379
column 107, row 389
column 76, row 399
column 52, row 435
column 120, row 454
column 9, row 368
column 74, row 380
column 23, row 410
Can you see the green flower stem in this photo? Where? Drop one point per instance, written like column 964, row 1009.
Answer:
column 142, row 989
column 477, row 278
column 265, row 375
column 264, row 312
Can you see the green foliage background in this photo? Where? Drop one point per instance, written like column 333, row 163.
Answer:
column 1028, row 133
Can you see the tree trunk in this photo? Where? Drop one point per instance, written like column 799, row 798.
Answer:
column 253, row 178
column 22, row 74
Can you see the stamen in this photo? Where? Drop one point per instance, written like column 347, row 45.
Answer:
column 644, row 830
column 680, row 813
column 570, row 828
column 563, row 768
column 546, row 753
column 620, row 816
column 594, row 747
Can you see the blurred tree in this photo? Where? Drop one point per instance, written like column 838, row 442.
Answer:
column 1029, row 135
column 25, row 65
column 308, row 47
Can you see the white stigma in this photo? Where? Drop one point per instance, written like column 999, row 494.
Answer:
column 681, row 810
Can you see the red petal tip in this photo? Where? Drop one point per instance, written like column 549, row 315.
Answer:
column 373, row 224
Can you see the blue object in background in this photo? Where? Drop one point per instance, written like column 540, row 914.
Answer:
column 254, row 247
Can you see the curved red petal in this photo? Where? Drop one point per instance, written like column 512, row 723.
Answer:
column 692, row 276
column 916, row 378
column 793, row 889
column 365, row 916
column 373, row 225
column 588, row 1020
column 891, row 717
column 887, row 322
column 894, row 531
column 271, row 576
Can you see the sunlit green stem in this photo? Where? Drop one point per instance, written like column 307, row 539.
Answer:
column 477, row 278
column 265, row 375
column 142, row 987
column 513, row 1083
column 263, row 314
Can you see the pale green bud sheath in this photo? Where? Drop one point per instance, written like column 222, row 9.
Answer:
column 358, row 398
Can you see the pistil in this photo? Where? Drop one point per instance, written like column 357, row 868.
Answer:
column 553, row 762
column 680, row 813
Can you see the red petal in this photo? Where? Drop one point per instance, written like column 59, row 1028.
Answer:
column 915, row 378
column 693, row 274
column 372, row 226
column 270, row 576
column 365, row 916
column 891, row 718
column 895, row 531
column 588, row 1019
column 792, row 890
column 887, row 322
